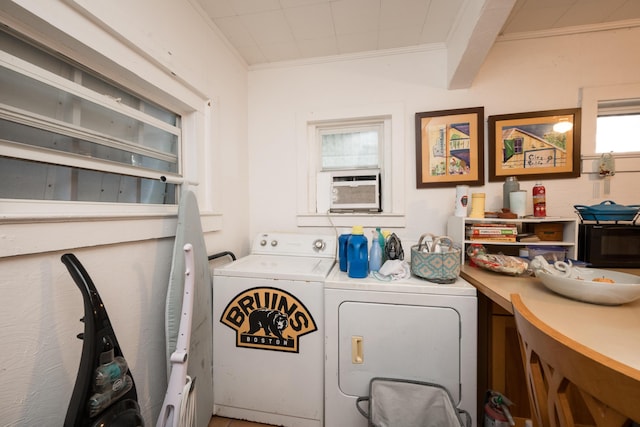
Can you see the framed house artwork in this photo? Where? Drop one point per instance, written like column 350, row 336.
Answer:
column 450, row 148
column 538, row 145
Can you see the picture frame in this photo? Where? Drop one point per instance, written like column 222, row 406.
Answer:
column 527, row 146
column 450, row 148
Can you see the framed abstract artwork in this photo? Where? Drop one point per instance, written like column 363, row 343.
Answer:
column 450, row 148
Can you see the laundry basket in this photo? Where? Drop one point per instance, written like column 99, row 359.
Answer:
column 406, row 403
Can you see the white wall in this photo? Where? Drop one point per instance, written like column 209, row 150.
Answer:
column 39, row 303
column 518, row 76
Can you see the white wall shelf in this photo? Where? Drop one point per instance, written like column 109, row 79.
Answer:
column 456, row 230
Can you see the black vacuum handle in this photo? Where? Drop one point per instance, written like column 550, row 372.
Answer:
column 98, row 338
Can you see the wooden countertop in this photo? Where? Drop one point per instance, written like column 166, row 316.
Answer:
column 613, row 331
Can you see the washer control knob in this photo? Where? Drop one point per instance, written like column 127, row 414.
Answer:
column 274, row 243
column 263, row 242
column 318, row 245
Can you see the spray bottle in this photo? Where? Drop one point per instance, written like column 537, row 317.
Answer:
column 375, row 254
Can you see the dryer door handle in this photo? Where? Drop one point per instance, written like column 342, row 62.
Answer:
column 357, row 354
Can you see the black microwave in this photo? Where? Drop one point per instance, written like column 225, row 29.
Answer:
column 609, row 245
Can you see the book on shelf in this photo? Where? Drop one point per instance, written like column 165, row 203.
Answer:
column 493, row 225
column 495, row 238
column 492, row 230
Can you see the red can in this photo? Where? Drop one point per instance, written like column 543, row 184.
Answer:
column 539, row 200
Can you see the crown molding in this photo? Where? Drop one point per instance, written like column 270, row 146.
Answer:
column 350, row 56
column 565, row 31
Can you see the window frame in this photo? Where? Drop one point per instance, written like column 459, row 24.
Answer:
column 591, row 97
column 79, row 224
column 392, row 159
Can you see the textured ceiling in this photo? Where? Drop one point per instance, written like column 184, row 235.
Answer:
column 268, row 31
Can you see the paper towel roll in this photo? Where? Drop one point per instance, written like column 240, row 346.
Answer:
column 518, row 202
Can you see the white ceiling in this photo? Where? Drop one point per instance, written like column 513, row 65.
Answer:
column 268, row 31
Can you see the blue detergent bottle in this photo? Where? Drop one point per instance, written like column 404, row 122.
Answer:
column 343, row 239
column 357, row 254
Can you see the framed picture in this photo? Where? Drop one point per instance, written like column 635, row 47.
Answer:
column 450, row 148
column 532, row 146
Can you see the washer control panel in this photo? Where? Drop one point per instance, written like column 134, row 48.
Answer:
column 295, row 244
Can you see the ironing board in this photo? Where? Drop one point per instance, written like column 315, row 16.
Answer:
column 189, row 230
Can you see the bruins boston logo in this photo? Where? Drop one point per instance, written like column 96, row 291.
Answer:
column 268, row 319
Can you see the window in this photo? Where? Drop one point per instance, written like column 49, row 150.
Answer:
column 68, row 135
column 349, row 145
column 618, row 126
column 355, row 146
column 364, row 138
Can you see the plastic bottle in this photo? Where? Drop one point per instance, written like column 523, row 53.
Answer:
column 375, row 255
column 539, row 200
column 98, row 402
column 381, row 237
column 510, row 184
column 342, row 251
column 108, row 373
column 383, row 244
column 357, row 254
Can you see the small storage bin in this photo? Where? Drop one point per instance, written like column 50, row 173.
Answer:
column 549, row 231
column 436, row 260
column 550, row 253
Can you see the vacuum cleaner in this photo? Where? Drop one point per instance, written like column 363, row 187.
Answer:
column 104, row 394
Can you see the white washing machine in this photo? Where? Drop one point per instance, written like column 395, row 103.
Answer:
column 268, row 330
column 407, row 329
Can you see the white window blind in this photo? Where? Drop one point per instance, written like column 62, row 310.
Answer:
column 618, row 126
column 350, row 147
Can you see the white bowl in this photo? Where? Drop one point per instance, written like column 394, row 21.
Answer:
column 580, row 286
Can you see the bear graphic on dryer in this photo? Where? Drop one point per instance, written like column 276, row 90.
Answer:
column 270, row 321
column 268, row 318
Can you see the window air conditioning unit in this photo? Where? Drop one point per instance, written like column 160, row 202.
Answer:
column 355, row 191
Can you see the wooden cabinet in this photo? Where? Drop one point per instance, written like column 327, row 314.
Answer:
column 507, row 371
column 500, row 366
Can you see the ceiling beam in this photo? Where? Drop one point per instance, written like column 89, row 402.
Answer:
column 471, row 38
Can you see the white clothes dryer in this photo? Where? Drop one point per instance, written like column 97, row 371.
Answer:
column 268, row 330
column 406, row 329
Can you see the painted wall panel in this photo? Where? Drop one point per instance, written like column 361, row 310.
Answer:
column 518, row 76
column 39, row 304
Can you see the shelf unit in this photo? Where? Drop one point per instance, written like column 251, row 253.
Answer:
column 456, row 230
